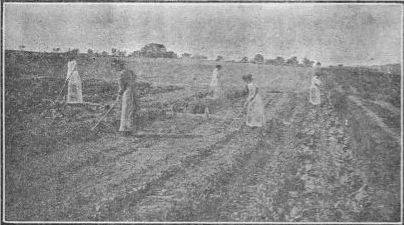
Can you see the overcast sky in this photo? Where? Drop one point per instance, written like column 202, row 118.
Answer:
column 330, row 33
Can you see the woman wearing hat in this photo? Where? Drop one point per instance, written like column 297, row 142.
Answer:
column 314, row 88
column 216, row 85
column 254, row 104
column 127, row 92
column 74, row 88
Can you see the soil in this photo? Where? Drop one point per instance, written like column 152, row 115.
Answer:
column 339, row 161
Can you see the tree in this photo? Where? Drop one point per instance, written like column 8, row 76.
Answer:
column 114, row 51
column 121, row 53
column 307, row 62
column 270, row 61
column 318, row 64
column 200, row 57
column 219, row 58
column 154, row 50
column 185, row 55
column 136, row 54
column 279, row 61
column 75, row 51
column 90, row 51
column 171, row 55
column 244, row 59
column 258, row 58
column 292, row 61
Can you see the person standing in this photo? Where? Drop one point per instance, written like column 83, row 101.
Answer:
column 216, row 86
column 194, row 81
column 127, row 92
column 314, row 88
column 74, row 87
column 254, row 104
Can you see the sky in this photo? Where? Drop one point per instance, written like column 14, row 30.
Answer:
column 349, row 34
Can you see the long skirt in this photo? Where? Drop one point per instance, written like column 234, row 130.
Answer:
column 256, row 113
column 128, row 110
column 74, row 89
column 217, row 91
column 315, row 95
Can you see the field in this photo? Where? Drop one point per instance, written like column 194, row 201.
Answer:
column 336, row 162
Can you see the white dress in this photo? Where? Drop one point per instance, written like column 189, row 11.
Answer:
column 255, row 107
column 127, row 88
column 74, row 88
column 315, row 91
column 216, row 85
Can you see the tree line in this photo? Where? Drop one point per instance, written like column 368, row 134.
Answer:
column 154, row 50
column 280, row 61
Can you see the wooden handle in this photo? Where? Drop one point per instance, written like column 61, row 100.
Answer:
column 105, row 115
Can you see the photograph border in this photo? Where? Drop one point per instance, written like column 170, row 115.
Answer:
column 7, row 2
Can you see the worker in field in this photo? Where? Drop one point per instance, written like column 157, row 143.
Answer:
column 216, row 85
column 254, row 104
column 74, row 87
column 314, row 87
column 127, row 93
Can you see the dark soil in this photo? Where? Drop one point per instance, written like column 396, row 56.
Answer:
column 336, row 162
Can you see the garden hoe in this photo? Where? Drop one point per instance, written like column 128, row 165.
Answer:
column 64, row 85
column 105, row 115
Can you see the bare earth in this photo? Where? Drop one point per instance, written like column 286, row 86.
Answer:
column 304, row 166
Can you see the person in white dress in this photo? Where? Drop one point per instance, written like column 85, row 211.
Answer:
column 74, row 87
column 254, row 104
column 216, row 86
column 314, row 88
column 127, row 92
